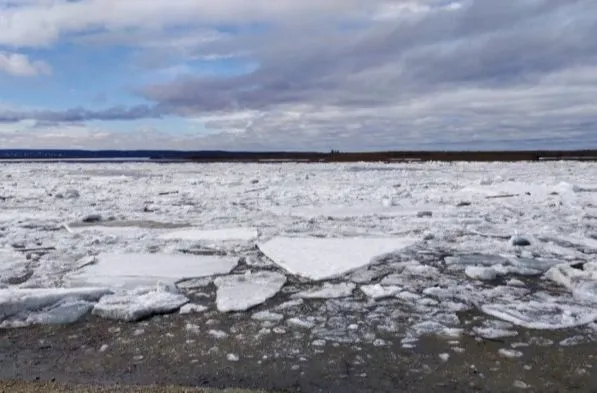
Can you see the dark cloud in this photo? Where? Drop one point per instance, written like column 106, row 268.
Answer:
column 484, row 44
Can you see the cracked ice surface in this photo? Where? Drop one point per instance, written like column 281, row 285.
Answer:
column 387, row 270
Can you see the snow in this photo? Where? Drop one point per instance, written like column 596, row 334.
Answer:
column 328, row 291
column 214, row 235
column 134, row 270
column 319, row 258
column 135, row 305
column 242, row 292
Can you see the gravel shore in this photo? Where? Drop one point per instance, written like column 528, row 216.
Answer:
column 51, row 387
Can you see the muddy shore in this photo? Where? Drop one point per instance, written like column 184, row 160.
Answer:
column 168, row 351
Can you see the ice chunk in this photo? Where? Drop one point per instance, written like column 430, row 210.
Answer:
column 493, row 329
column 192, row 308
column 22, row 302
column 377, row 291
column 542, row 314
column 476, row 259
column 582, row 283
column 65, row 311
column 46, row 306
column 480, row 273
column 301, row 323
column 135, row 305
column 214, row 235
column 319, row 258
column 328, row 291
column 138, row 270
column 509, row 353
column 241, row 292
column 267, row 316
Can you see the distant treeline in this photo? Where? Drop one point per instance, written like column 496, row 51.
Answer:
column 332, row 156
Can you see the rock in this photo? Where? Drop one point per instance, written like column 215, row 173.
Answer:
column 92, row 218
column 519, row 241
column 424, row 213
column 463, row 203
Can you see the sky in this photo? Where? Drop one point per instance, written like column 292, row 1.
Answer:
column 349, row 75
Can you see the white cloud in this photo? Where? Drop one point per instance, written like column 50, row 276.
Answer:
column 43, row 22
column 18, row 64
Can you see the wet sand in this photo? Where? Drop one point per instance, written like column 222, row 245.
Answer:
column 178, row 350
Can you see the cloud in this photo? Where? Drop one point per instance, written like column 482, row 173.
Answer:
column 17, row 64
column 43, row 22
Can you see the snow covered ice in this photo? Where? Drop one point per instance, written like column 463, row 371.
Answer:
column 392, row 251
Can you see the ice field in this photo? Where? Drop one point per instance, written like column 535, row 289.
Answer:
column 348, row 252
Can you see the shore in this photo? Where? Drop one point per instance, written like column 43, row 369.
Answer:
column 95, row 355
column 52, row 387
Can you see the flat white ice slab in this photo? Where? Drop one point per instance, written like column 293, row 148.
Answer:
column 139, row 270
column 241, row 292
column 225, row 234
column 319, row 258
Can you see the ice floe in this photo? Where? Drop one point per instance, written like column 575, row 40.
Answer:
column 323, row 258
column 138, row 270
column 244, row 291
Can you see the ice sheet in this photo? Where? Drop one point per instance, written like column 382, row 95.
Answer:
column 224, row 234
column 242, row 292
column 319, row 258
column 142, row 269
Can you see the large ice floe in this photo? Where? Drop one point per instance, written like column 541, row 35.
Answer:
column 323, row 258
column 357, row 253
column 133, row 270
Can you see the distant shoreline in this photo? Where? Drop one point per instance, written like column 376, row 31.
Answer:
column 169, row 156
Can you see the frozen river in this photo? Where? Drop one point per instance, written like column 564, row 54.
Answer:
column 345, row 253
